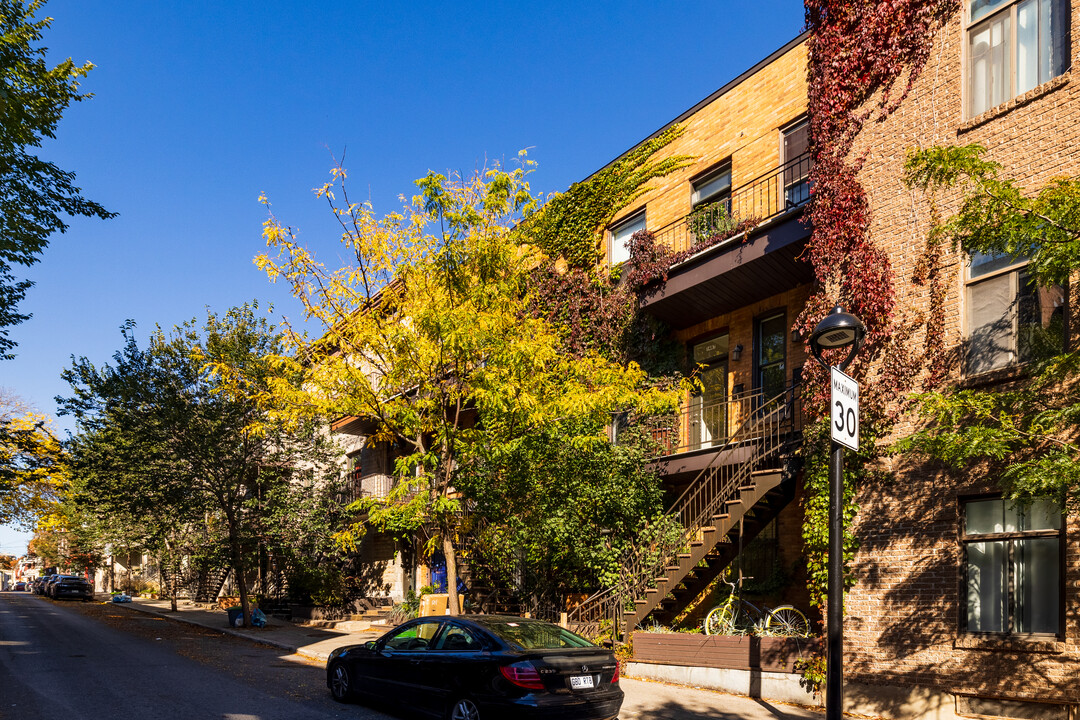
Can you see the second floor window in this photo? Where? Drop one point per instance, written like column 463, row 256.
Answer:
column 619, row 251
column 1013, row 47
column 796, row 148
column 1010, row 318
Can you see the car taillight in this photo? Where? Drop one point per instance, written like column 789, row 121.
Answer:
column 522, row 674
column 615, row 677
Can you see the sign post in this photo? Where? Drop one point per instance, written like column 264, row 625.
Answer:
column 836, row 332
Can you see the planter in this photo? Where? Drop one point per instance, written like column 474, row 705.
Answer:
column 735, row 652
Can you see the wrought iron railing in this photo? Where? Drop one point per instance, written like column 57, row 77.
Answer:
column 759, row 200
column 764, row 431
column 700, row 424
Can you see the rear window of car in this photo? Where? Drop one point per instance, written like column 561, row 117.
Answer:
column 536, row 636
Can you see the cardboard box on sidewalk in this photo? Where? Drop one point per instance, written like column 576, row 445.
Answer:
column 434, row 604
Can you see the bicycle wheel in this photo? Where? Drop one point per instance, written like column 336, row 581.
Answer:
column 787, row 620
column 718, row 621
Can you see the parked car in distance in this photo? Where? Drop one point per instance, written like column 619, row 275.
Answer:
column 479, row 667
column 64, row 586
column 42, row 586
column 20, row 586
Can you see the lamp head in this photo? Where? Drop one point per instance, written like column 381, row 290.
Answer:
column 837, row 330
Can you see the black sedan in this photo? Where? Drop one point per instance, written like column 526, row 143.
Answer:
column 481, row 667
column 71, row 586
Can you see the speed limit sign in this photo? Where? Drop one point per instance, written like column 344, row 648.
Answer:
column 844, row 401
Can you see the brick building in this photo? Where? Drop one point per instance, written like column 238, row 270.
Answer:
column 963, row 605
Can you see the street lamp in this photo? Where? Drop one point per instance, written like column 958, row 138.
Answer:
column 838, row 330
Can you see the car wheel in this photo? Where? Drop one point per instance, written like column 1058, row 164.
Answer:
column 341, row 683
column 463, row 709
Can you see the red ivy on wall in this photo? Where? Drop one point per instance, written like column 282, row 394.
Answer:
column 864, row 60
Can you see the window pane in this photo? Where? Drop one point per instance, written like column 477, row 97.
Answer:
column 1035, row 573
column 999, row 60
column 979, row 57
column 1054, row 26
column 980, row 264
column 1040, row 319
column 992, row 329
column 1027, row 45
column 620, row 238
column 712, row 186
column 984, row 516
column 982, row 8
column 1041, row 514
column 986, row 600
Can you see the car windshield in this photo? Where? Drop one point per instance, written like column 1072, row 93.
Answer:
column 536, row 635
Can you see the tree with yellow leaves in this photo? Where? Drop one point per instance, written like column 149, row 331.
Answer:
column 425, row 334
column 32, row 475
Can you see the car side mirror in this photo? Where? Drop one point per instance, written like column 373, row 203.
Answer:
column 371, row 645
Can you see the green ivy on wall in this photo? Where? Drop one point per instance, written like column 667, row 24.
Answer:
column 569, row 225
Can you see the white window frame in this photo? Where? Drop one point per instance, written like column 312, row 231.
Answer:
column 619, row 252
column 1008, row 13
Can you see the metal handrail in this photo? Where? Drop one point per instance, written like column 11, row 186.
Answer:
column 761, row 199
column 763, row 431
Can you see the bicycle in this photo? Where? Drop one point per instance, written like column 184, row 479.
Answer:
column 735, row 616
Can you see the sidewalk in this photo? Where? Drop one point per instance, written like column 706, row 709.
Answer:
column 314, row 643
column 645, row 699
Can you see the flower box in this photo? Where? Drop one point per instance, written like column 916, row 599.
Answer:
column 736, row 652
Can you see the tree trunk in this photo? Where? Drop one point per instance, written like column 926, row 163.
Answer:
column 451, row 572
column 238, row 568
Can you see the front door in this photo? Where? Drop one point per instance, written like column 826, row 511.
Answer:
column 708, row 408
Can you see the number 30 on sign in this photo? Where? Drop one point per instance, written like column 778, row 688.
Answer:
column 845, row 409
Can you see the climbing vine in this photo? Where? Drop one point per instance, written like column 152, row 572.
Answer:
column 864, row 59
column 569, row 224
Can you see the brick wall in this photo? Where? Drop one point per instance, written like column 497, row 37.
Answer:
column 742, row 124
column 903, row 613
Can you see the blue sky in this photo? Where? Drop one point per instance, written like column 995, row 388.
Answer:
column 199, row 108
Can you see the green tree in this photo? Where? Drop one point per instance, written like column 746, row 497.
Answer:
column 35, row 195
column 427, row 334
column 1027, row 429
column 173, row 432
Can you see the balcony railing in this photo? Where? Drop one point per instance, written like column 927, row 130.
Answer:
column 759, row 200
column 371, row 486
column 700, row 425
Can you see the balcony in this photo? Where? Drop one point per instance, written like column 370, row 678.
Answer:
column 747, row 267
column 691, row 437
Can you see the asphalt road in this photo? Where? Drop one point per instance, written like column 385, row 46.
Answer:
column 69, row 659
column 97, row 661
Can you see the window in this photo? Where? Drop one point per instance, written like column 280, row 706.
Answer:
column 795, row 145
column 1010, row 318
column 456, row 637
column 771, row 355
column 711, row 201
column 620, row 237
column 1012, row 47
column 415, row 637
column 1012, row 566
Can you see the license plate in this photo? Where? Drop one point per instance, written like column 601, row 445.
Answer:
column 579, row 682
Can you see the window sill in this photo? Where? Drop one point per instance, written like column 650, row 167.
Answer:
column 1020, row 100
column 1013, row 643
column 999, row 376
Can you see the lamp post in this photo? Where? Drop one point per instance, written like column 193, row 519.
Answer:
column 836, row 331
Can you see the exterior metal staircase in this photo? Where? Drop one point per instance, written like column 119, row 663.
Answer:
column 747, row 482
